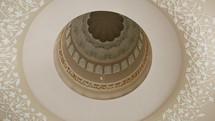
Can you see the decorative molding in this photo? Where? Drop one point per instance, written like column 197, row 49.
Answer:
column 95, row 50
column 82, row 61
column 98, row 69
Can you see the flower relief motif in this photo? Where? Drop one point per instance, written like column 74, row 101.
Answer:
column 199, row 34
column 14, row 105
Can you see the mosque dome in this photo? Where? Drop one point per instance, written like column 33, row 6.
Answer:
column 102, row 55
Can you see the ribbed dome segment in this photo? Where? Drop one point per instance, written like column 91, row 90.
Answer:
column 105, row 26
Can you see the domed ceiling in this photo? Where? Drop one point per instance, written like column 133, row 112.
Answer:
column 102, row 55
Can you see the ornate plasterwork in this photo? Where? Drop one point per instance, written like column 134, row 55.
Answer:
column 96, row 51
column 15, row 105
column 199, row 35
column 109, row 68
column 100, row 86
column 92, row 70
column 107, row 57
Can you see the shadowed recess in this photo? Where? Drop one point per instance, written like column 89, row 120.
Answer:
column 105, row 26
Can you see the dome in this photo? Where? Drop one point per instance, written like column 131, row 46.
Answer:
column 102, row 55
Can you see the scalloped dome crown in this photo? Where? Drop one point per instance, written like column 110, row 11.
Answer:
column 104, row 25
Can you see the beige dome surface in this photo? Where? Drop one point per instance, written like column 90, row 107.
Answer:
column 102, row 55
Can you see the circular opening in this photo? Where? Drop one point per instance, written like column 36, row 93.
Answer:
column 105, row 26
column 102, row 55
